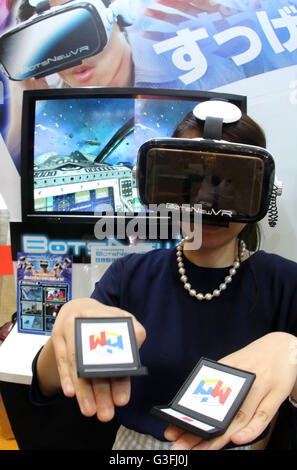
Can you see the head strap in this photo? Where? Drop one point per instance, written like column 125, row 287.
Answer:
column 215, row 113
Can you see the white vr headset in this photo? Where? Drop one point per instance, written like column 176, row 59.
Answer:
column 226, row 181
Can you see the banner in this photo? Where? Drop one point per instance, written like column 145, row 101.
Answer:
column 168, row 44
column 77, row 241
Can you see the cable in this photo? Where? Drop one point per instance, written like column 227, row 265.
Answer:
column 272, row 211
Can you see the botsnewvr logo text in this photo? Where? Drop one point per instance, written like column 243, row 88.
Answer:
column 107, row 340
column 212, row 392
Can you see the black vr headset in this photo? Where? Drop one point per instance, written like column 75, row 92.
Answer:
column 224, row 181
column 61, row 37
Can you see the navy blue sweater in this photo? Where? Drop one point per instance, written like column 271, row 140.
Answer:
column 261, row 298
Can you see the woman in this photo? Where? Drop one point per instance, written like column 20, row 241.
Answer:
column 249, row 323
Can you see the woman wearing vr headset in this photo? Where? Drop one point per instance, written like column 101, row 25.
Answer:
column 249, row 323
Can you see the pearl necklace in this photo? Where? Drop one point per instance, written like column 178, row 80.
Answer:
column 222, row 286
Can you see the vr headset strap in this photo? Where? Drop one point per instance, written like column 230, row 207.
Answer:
column 213, row 128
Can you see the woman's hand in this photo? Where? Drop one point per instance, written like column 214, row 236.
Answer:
column 56, row 365
column 272, row 360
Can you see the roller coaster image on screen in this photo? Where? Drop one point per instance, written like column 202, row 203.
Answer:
column 85, row 149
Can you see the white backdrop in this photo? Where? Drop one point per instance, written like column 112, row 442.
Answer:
column 272, row 102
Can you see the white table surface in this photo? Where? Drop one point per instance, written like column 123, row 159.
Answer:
column 16, row 355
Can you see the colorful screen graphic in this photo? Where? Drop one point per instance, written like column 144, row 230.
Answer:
column 44, row 284
column 212, row 392
column 106, row 343
column 85, row 149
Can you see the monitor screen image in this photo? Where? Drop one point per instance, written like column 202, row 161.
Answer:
column 79, row 146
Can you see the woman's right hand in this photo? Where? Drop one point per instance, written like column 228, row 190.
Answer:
column 56, row 365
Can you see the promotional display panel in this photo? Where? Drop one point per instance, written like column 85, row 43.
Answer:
column 43, row 287
column 208, row 400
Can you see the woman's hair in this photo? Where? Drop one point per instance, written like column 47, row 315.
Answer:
column 245, row 131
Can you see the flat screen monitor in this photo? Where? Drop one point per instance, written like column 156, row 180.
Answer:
column 79, row 146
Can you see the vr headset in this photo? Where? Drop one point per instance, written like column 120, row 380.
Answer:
column 224, row 181
column 61, row 37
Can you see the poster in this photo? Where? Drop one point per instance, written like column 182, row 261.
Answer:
column 103, row 254
column 43, row 287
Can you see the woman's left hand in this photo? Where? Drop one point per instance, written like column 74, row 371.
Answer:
column 274, row 362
